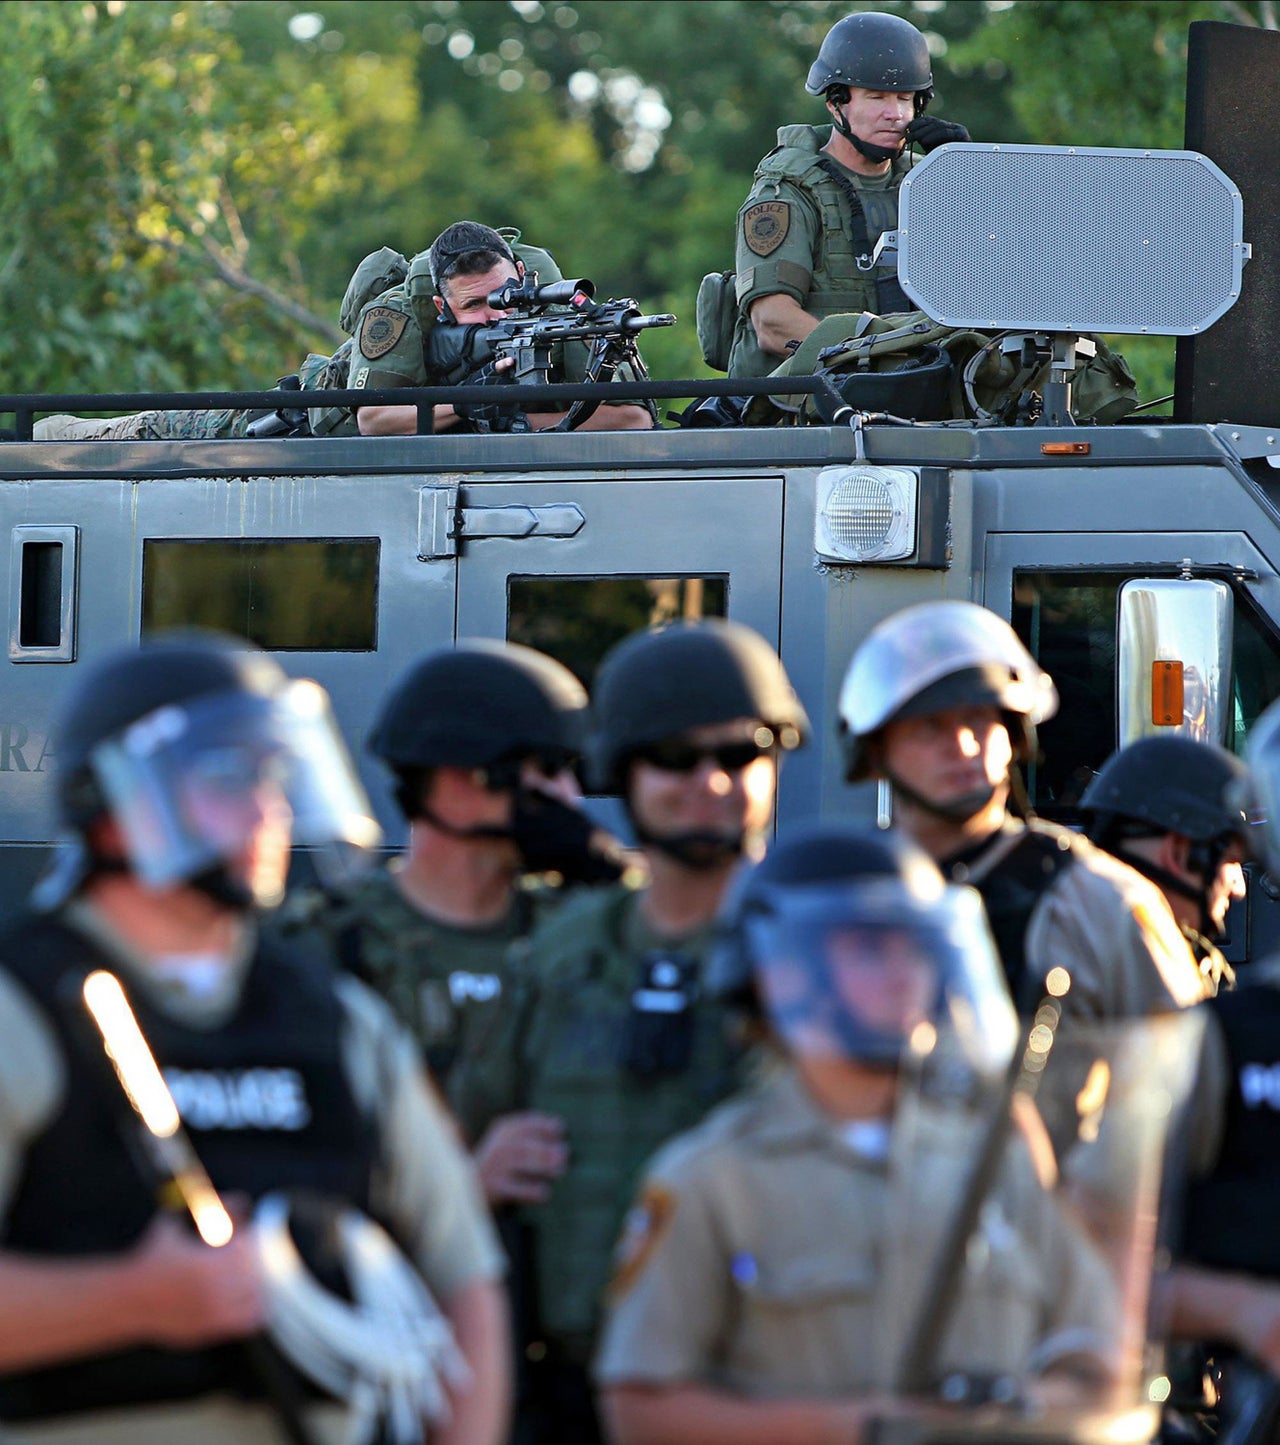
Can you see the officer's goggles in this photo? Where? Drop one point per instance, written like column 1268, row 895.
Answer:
column 682, row 755
column 507, row 773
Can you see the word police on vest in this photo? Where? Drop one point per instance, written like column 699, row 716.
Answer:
column 273, row 1099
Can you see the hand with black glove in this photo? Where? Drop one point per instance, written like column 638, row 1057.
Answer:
column 492, row 415
column 554, row 837
column 931, row 131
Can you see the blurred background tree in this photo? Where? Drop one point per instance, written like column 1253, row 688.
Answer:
column 188, row 186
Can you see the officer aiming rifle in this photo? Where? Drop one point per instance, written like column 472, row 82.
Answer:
column 519, row 348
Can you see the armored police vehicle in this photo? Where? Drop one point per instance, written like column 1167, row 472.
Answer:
column 1140, row 561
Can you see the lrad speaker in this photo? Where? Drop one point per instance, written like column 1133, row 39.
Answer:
column 1071, row 239
column 1233, row 117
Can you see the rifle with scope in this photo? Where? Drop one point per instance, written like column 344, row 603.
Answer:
column 527, row 339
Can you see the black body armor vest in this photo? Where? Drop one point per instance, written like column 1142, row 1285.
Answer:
column 1230, row 1220
column 264, row 1098
column 1010, row 889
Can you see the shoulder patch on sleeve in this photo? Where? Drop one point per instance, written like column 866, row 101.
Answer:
column 642, row 1230
column 765, row 226
column 380, row 328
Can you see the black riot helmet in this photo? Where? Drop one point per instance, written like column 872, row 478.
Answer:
column 849, row 943
column 873, row 51
column 480, row 704
column 182, row 742
column 656, row 685
column 1172, row 784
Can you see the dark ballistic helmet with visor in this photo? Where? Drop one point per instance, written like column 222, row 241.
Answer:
column 186, row 742
column 852, row 946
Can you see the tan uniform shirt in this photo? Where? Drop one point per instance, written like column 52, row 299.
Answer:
column 1110, row 928
column 773, row 1254
column 428, row 1190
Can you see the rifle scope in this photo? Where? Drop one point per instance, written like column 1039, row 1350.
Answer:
column 528, row 293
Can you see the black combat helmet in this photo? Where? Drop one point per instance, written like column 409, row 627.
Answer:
column 479, row 704
column 657, row 685
column 1171, row 784
column 187, row 742
column 801, row 933
column 874, row 51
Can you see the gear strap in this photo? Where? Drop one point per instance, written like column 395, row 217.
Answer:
column 891, row 299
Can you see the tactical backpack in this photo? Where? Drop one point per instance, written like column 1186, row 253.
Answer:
column 378, row 272
column 913, row 367
column 716, row 315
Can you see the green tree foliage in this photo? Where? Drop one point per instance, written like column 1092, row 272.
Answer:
column 147, row 167
column 189, row 185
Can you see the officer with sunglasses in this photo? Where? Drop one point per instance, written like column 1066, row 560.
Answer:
column 612, row 1032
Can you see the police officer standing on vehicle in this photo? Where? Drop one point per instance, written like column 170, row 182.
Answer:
column 763, row 1285
column 823, row 196
column 614, row 1034
column 188, row 767
column 480, row 738
column 941, row 701
column 1172, row 808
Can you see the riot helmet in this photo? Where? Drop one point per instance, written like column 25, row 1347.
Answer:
column 481, row 703
column 871, row 50
column 850, row 945
column 1172, row 784
column 658, row 684
column 930, row 658
column 1263, row 794
column 1169, row 784
column 654, row 688
column 190, row 743
column 492, row 707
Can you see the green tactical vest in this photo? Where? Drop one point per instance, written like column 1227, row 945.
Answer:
column 441, row 981
column 615, row 1121
column 838, row 284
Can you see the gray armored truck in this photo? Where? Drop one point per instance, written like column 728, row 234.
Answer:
column 1139, row 561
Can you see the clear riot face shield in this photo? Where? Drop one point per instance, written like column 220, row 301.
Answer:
column 865, row 970
column 231, row 781
column 1023, row 1224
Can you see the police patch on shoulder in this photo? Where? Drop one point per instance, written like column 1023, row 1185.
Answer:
column 765, row 226
column 380, row 329
column 642, row 1230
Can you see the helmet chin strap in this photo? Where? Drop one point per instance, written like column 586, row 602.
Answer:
column 875, row 153
column 1170, row 882
column 699, row 852
column 955, row 810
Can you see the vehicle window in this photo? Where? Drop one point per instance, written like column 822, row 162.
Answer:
column 1068, row 622
column 311, row 595
column 577, row 619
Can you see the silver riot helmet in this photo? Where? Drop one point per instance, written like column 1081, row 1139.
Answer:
column 1261, row 799
column 852, row 947
column 933, row 657
column 212, row 763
